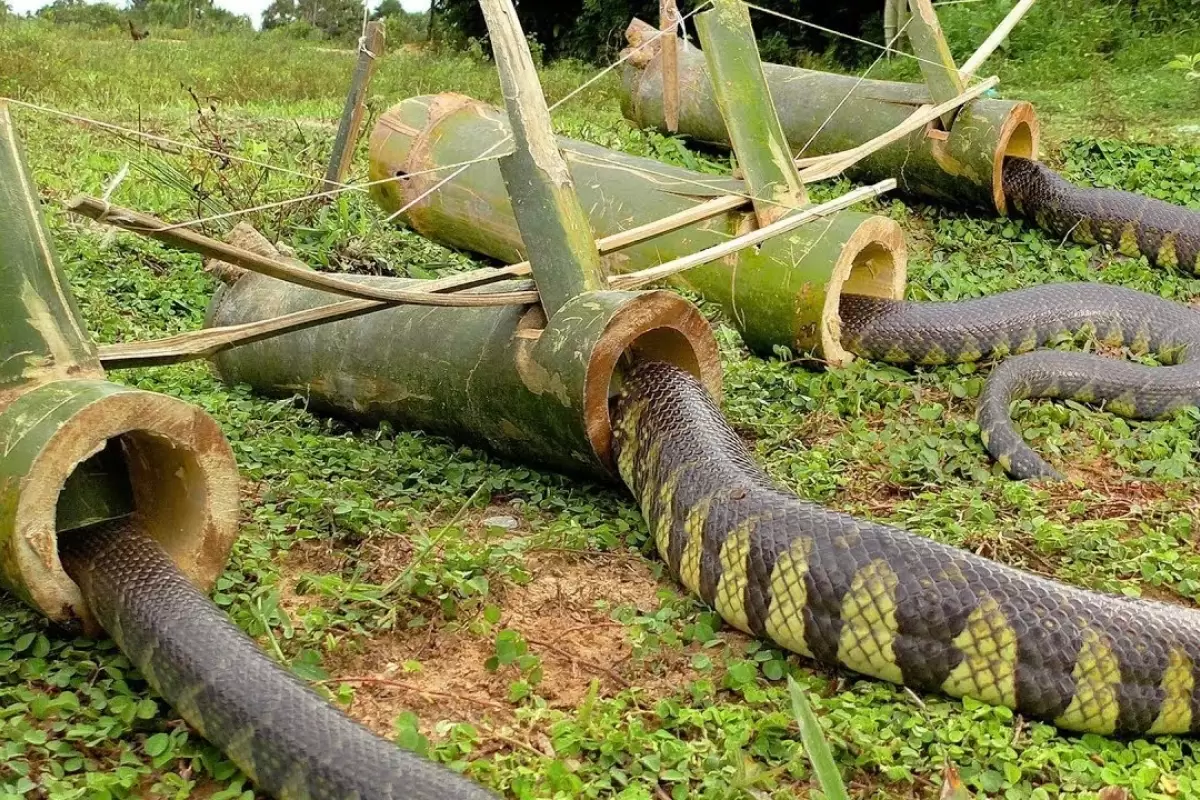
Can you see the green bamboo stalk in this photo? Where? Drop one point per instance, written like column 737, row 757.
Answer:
column 562, row 248
column 740, row 90
column 937, row 64
column 43, row 336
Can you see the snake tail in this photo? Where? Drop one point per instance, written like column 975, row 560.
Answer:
column 885, row 603
column 1013, row 324
column 1167, row 235
column 287, row 738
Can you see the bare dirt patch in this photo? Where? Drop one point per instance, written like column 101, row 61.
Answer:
column 564, row 613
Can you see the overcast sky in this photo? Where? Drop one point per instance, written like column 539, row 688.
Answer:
column 252, row 8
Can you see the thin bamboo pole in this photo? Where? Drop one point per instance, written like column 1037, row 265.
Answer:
column 187, row 239
column 212, row 341
column 997, row 37
column 830, row 166
column 755, row 237
column 668, row 13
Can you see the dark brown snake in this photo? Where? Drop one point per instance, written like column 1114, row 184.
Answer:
column 287, row 738
column 1166, row 234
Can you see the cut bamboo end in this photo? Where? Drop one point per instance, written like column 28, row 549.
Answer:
column 654, row 326
column 1019, row 136
column 181, row 470
column 873, row 262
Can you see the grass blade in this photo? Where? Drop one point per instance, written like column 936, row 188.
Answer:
column 824, row 767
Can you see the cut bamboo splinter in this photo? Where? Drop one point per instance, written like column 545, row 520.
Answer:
column 826, row 167
column 711, row 254
column 211, row 341
column 186, row 239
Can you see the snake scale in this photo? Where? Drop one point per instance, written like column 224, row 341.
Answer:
column 883, row 602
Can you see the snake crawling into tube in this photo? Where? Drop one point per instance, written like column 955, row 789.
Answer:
column 839, row 590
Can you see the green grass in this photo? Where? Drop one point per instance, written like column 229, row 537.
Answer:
column 363, row 550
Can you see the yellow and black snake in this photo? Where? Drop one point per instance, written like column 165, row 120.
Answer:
column 1016, row 322
column 281, row 733
column 840, row 590
column 1166, row 234
column 883, row 602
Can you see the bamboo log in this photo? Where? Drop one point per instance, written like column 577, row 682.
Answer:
column 783, row 293
column 504, row 378
column 76, row 449
column 741, row 92
column 562, row 248
column 823, row 113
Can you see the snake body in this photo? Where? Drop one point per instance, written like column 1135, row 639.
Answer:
column 840, row 590
column 1014, row 323
column 883, row 602
column 291, row 742
column 1166, row 234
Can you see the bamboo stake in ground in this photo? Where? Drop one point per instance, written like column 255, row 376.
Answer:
column 741, row 92
column 553, row 224
column 369, row 52
column 668, row 15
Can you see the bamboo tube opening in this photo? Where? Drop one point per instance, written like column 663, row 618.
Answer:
column 873, row 262
column 1018, row 137
column 655, row 325
column 184, row 485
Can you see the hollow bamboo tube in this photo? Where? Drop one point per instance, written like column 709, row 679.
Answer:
column 783, row 293
column 76, row 449
column 824, row 113
column 505, row 378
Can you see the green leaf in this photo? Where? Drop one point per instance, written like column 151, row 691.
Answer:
column 157, row 744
